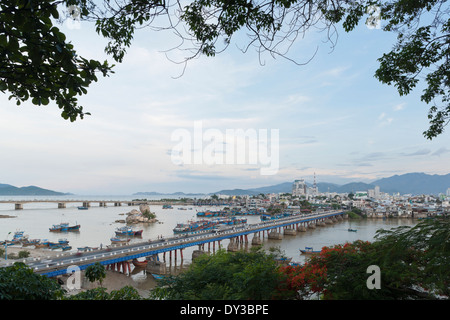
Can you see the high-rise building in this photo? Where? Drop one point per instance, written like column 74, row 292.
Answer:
column 299, row 188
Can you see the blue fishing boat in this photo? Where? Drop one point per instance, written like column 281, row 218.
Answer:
column 83, row 208
column 309, row 250
column 352, row 230
column 157, row 276
column 128, row 231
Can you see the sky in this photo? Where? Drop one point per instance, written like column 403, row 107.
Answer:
column 329, row 117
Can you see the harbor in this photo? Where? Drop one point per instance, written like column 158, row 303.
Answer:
column 98, row 226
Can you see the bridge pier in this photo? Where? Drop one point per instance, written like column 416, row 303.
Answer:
column 86, row 204
column 256, row 241
column 61, row 205
column 18, row 206
column 290, row 232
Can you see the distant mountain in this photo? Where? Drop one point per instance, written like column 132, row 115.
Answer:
column 9, row 190
column 410, row 183
column 153, row 193
column 414, row 183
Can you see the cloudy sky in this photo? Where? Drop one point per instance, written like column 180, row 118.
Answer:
column 332, row 117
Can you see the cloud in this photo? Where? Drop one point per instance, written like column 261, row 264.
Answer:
column 399, row 106
column 440, row 151
column 420, row 152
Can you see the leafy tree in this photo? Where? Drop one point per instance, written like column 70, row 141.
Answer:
column 125, row 293
column 95, row 272
column 223, row 276
column 19, row 282
column 38, row 63
column 413, row 264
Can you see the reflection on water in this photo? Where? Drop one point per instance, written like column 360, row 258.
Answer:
column 99, row 223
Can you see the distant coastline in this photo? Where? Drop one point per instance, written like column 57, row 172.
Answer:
column 9, row 190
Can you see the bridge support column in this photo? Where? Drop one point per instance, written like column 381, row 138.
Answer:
column 18, row 206
column 86, row 204
column 61, row 205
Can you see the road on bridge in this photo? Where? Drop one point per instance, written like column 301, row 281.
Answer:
column 113, row 254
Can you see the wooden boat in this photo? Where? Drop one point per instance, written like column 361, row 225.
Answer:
column 83, row 208
column 309, row 250
column 64, row 227
column 138, row 263
column 157, row 276
column 119, row 240
column 128, row 231
column 352, row 230
column 65, row 247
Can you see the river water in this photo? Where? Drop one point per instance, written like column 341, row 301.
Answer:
column 99, row 223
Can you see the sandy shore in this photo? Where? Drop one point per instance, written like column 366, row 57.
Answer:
column 34, row 253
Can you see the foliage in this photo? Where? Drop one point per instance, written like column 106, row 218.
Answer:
column 19, row 282
column 95, row 272
column 413, row 263
column 125, row 293
column 223, row 276
column 37, row 62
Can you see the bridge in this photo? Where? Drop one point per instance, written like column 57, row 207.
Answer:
column 19, row 204
column 114, row 255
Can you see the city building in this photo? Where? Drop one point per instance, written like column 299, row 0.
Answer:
column 299, row 188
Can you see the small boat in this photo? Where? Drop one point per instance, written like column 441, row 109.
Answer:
column 83, row 208
column 157, row 276
column 352, row 230
column 64, row 227
column 138, row 263
column 167, row 206
column 65, row 248
column 128, row 231
column 309, row 250
column 63, row 241
column 119, row 240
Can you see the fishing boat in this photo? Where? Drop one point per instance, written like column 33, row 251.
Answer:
column 66, row 247
column 167, row 206
column 352, row 230
column 63, row 241
column 119, row 240
column 283, row 260
column 138, row 263
column 83, row 208
column 62, row 227
column 128, row 231
column 192, row 226
column 309, row 250
column 157, row 276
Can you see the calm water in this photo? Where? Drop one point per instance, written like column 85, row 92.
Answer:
column 98, row 225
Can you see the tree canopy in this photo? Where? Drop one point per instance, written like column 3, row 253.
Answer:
column 38, row 63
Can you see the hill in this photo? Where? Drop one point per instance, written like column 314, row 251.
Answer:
column 9, row 190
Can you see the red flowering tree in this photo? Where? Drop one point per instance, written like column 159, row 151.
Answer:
column 327, row 273
column 412, row 263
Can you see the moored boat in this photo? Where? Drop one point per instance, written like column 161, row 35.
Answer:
column 309, row 250
column 128, row 231
column 138, row 263
column 352, row 230
column 157, row 276
column 119, row 240
column 83, row 208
